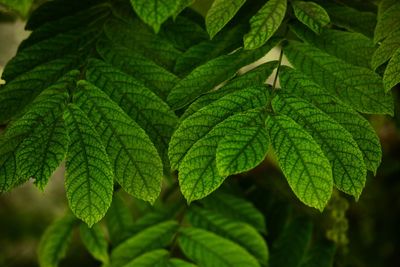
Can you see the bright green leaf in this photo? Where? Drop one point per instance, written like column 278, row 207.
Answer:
column 155, row 258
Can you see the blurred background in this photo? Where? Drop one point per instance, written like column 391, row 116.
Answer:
column 369, row 237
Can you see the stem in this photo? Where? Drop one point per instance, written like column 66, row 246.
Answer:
column 277, row 70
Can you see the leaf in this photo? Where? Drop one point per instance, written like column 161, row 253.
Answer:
column 179, row 263
column 348, row 167
column 265, row 23
column 220, row 13
column 202, row 122
column 55, row 242
column 242, row 150
column 95, row 242
column 236, row 231
column 254, row 77
column 320, row 255
column 154, row 12
column 154, row 237
column 311, row 14
column 386, row 50
column 351, row 19
column 235, row 208
column 384, row 5
column 208, row 249
column 154, row 77
column 296, row 83
column 388, row 23
column 205, row 77
column 119, row 221
column 391, row 76
column 293, row 241
column 89, row 176
column 182, row 4
column 155, row 258
column 134, row 159
column 198, row 173
column 302, row 161
column 21, row 6
column 142, row 105
column 359, row 87
column 353, row 47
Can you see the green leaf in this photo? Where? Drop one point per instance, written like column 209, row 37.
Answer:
column 55, row 242
column 242, row 150
column 348, row 168
column 155, row 258
column 385, row 5
column 235, row 208
column 353, row 47
column 293, row 241
column 179, row 263
column 367, row 140
column 388, row 23
column 220, row 13
column 154, row 77
column 142, row 105
column 154, row 12
column 154, row 237
column 391, row 76
column 21, row 6
column 320, row 255
column 236, row 231
column 182, row 4
column 302, row 161
column 311, row 14
column 119, row 221
column 89, row 176
column 202, row 122
column 208, row 249
column 95, row 242
column 359, row 87
column 135, row 161
column 205, row 77
column 254, row 77
column 198, row 173
column 386, row 50
column 265, row 23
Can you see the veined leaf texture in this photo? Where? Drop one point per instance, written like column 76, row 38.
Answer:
column 130, row 92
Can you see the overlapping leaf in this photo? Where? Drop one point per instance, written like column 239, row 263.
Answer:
column 388, row 23
column 386, row 50
column 265, row 23
column 359, row 87
column 392, row 72
column 311, row 14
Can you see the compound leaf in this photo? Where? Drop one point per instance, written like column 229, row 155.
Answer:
column 89, row 177
column 265, row 23
column 220, row 13
column 136, row 163
column 211, row 250
column 302, row 161
column 311, row 14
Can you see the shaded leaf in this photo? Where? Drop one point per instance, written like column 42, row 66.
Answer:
column 95, row 242
column 391, row 76
column 311, row 14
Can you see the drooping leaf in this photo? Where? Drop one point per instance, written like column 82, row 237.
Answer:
column 55, row 242
column 235, row 208
column 388, row 23
column 348, row 167
column 154, row 12
column 236, row 231
column 95, row 242
column 311, row 14
column 367, row 140
column 359, row 87
column 391, row 76
column 386, row 50
column 242, row 150
column 202, row 122
column 135, row 161
column 143, row 106
column 302, row 161
column 205, row 77
column 89, row 176
column 154, row 237
column 265, row 23
column 353, row 47
column 208, row 249
column 155, row 258
column 220, row 13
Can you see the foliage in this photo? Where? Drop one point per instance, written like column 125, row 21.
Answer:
column 128, row 92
